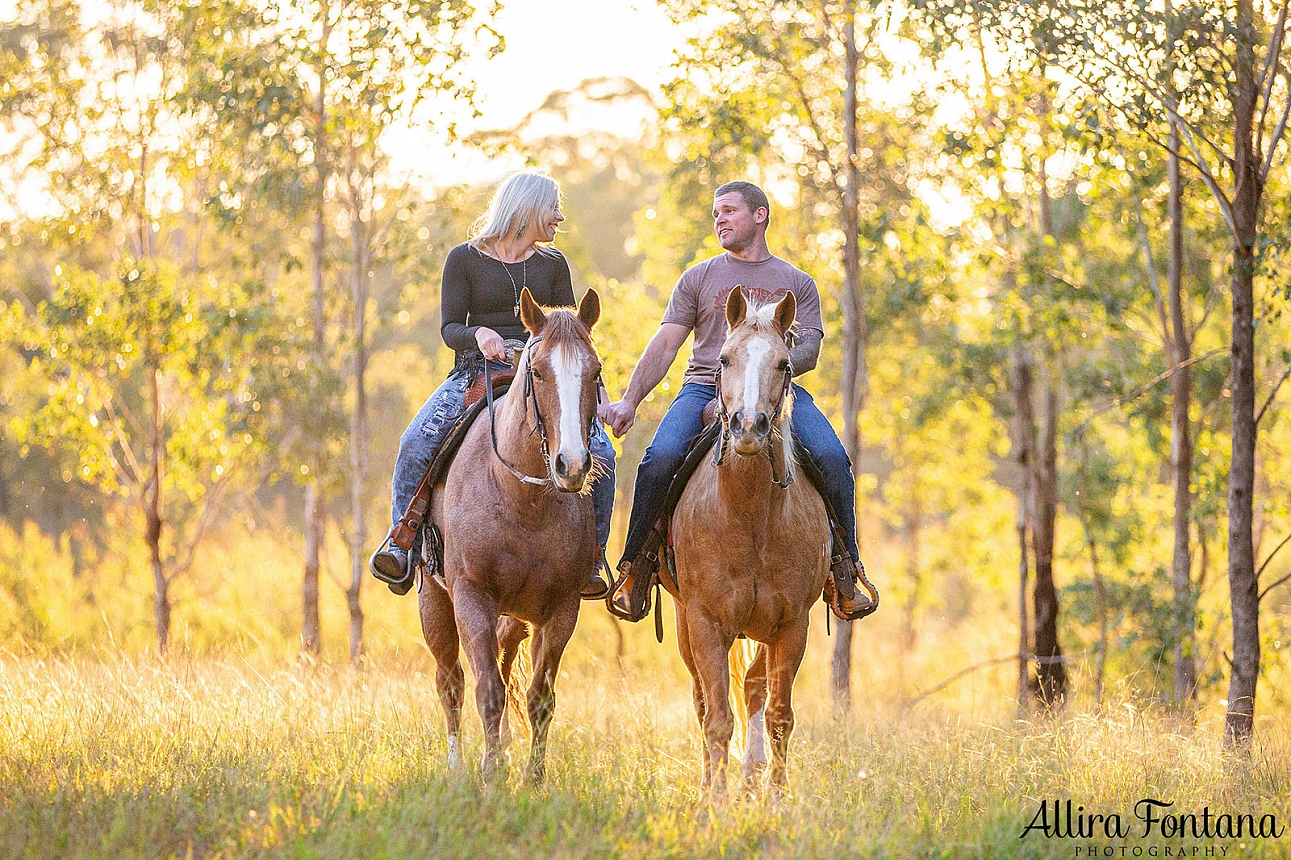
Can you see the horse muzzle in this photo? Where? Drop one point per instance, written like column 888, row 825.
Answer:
column 571, row 472
column 749, row 434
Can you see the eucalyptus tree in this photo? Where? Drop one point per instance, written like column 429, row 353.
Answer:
column 244, row 91
column 1217, row 70
column 156, row 382
column 373, row 65
column 93, row 103
column 314, row 86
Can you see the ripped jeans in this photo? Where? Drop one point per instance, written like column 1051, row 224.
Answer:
column 429, row 428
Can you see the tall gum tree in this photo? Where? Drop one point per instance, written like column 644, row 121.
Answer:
column 1218, row 70
column 373, row 65
column 96, row 107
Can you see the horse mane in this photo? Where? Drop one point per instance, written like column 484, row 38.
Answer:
column 760, row 317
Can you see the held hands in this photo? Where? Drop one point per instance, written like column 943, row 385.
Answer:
column 490, row 343
column 620, row 415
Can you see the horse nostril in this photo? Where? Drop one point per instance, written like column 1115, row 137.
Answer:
column 737, row 422
column 561, row 467
column 761, row 424
column 587, row 463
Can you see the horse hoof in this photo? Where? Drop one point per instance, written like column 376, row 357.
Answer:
column 494, row 768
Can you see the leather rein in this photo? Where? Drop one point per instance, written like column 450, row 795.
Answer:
column 719, row 450
column 539, row 424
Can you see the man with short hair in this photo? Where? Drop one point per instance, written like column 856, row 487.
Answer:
column 741, row 213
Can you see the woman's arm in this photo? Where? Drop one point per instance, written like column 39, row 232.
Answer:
column 455, row 301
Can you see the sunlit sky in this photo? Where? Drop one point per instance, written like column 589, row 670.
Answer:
column 550, row 45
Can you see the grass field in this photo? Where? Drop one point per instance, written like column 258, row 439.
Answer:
column 225, row 756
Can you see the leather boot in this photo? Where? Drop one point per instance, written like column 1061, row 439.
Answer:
column 598, row 586
column 841, row 593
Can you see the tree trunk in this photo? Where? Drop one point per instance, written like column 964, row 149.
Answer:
column 914, row 583
column 358, row 439
column 311, row 629
column 1242, row 584
column 311, row 634
column 841, row 665
column 1180, row 351
column 1051, row 675
column 1096, row 572
column 1024, row 455
column 853, row 375
column 153, row 516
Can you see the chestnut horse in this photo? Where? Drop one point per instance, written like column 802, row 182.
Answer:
column 751, row 546
column 519, row 534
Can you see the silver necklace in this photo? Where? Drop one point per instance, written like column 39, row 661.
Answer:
column 515, row 291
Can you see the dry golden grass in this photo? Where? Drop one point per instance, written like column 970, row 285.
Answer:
column 234, row 748
column 216, row 757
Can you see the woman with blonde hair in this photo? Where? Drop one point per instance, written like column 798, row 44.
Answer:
column 510, row 248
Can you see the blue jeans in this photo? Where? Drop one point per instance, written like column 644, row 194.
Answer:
column 428, row 429
column 682, row 423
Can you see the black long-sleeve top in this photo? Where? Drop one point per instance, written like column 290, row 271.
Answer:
column 479, row 290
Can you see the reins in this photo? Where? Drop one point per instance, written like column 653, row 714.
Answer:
column 537, row 416
column 719, row 450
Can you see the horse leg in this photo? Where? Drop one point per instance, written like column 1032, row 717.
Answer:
column 477, row 618
column 440, row 632
column 783, row 660
column 710, row 650
column 755, row 700
column 511, row 632
column 697, row 689
column 548, row 647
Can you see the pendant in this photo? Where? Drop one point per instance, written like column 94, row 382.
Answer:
column 516, row 310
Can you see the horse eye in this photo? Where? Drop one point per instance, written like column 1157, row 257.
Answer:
column 783, row 365
column 723, row 361
column 537, row 374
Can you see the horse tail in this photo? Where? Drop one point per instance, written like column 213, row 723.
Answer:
column 516, row 666
column 741, row 659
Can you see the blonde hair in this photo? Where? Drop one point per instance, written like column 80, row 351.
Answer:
column 515, row 203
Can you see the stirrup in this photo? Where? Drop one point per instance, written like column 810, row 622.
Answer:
column 840, row 590
column 633, row 604
column 399, row 583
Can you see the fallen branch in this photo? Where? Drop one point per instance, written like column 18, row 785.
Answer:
column 995, row 661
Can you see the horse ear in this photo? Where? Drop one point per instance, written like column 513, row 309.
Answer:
column 530, row 314
column 735, row 306
column 589, row 309
column 785, row 311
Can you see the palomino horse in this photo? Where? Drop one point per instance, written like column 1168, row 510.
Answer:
column 515, row 550
column 751, row 547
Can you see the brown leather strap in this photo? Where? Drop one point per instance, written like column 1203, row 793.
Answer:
column 405, row 531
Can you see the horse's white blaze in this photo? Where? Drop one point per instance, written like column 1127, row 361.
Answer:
column 569, row 389
column 759, row 349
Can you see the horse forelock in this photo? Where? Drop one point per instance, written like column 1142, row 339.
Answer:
column 564, row 327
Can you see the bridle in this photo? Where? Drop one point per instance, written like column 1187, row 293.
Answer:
column 719, row 450
column 539, row 424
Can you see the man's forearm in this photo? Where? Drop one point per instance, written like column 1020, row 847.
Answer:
column 804, row 356
column 650, row 370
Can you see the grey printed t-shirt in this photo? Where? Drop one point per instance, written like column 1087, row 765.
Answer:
column 699, row 303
